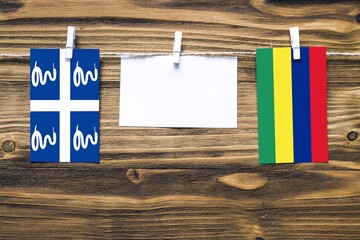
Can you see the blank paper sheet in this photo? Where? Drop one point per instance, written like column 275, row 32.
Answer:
column 200, row 92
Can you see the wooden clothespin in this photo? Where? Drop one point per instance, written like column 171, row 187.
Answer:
column 295, row 42
column 70, row 42
column 177, row 47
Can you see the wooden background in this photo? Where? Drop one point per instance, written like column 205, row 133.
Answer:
column 179, row 183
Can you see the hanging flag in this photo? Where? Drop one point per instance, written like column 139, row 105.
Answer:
column 292, row 117
column 64, row 106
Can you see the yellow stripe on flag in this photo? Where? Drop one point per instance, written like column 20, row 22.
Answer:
column 284, row 147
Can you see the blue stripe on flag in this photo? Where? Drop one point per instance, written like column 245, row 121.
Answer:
column 301, row 107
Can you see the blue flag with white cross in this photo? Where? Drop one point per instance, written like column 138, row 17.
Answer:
column 64, row 106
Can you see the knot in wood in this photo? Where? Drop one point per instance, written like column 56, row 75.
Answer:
column 135, row 176
column 358, row 18
column 352, row 136
column 8, row 146
column 244, row 181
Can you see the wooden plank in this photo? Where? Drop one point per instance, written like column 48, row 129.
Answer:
column 179, row 183
column 212, row 26
column 85, row 201
column 187, row 147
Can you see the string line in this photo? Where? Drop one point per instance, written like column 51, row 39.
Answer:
column 129, row 54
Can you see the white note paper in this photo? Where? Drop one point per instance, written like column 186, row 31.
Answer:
column 200, row 92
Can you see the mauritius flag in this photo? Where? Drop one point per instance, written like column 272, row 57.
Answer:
column 291, row 94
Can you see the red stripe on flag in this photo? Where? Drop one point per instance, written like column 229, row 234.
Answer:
column 318, row 78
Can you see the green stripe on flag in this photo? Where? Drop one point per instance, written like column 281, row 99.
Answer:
column 265, row 97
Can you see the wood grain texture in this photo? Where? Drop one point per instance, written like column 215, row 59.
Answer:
column 168, row 183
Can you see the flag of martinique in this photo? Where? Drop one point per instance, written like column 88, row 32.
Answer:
column 292, row 117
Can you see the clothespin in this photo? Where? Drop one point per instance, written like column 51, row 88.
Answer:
column 70, row 42
column 295, row 42
column 177, row 47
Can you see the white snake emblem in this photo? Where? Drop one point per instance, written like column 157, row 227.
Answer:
column 38, row 77
column 38, row 141
column 80, row 141
column 79, row 77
